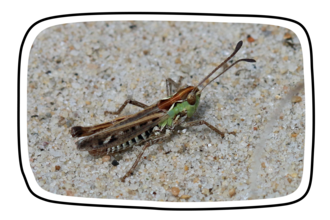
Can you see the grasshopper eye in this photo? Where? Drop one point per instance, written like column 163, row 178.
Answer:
column 191, row 98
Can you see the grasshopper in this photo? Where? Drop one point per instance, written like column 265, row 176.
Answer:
column 150, row 126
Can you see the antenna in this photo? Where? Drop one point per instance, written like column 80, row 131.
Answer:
column 246, row 60
column 238, row 46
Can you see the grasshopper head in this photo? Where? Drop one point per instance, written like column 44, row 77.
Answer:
column 191, row 98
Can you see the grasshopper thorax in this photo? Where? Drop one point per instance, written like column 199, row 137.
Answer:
column 179, row 96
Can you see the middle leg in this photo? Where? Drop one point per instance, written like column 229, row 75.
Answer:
column 201, row 122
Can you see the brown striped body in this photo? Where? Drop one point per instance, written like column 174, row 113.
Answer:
column 118, row 137
column 124, row 132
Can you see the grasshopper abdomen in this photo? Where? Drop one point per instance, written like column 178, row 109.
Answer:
column 139, row 139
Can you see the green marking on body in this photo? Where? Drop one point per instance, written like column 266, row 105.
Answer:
column 179, row 107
